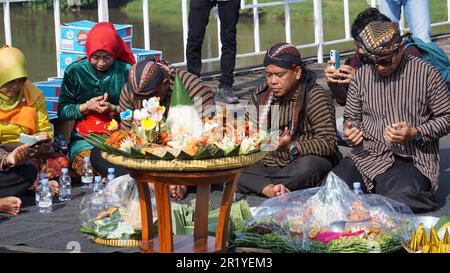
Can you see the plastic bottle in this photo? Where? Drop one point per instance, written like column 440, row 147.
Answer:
column 62, row 143
column 98, row 185
column 41, row 177
column 87, row 177
column 357, row 188
column 111, row 175
column 44, row 197
column 65, row 185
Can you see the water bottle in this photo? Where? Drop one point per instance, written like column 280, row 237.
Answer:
column 41, row 177
column 111, row 175
column 65, row 186
column 44, row 197
column 98, row 185
column 357, row 188
column 62, row 144
column 88, row 174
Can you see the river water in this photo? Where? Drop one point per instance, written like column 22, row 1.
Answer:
column 33, row 33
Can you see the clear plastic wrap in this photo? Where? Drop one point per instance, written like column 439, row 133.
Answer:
column 276, row 224
column 337, row 220
column 113, row 213
column 331, row 219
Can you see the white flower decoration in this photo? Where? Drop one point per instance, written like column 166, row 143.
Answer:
column 140, row 114
column 151, row 105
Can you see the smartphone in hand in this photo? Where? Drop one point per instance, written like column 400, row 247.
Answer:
column 336, row 58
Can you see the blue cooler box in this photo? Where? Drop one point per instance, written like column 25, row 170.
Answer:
column 68, row 57
column 51, row 79
column 142, row 54
column 51, row 89
column 52, row 104
column 74, row 34
column 52, row 115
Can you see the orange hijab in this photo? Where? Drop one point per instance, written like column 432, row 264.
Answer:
column 24, row 115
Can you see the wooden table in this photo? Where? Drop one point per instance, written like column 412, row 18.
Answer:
column 200, row 242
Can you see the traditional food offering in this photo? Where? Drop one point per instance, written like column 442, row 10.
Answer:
column 180, row 133
column 329, row 219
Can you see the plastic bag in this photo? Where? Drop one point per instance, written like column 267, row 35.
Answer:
column 301, row 221
column 335, row 219
column 276, row 224
column 113, row 213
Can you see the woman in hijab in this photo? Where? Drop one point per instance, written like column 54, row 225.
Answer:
column 22, row 110
column 91, row 88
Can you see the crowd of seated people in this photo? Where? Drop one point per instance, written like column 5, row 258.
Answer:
column 394, row 151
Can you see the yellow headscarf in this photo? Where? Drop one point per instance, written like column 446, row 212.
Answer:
column 18, row 110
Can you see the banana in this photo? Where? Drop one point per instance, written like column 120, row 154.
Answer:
column 446, row 238
column 434, row 238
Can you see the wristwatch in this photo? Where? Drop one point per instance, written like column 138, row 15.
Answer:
column 293, row 150
column 418, row 137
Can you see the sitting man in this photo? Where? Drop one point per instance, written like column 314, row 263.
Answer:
column 339, row 79
column 155, row 79
column 397, row 108
column 307, row 146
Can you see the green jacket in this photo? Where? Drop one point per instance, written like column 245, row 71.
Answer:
column 80, row 84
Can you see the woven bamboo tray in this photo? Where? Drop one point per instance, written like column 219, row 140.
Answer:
column 115, row 242
column 223, row 163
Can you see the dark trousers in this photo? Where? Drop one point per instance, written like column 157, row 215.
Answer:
column 402, row 182
column 16, row 181
column 198, row 20
column 304, row 172
column 100, row 165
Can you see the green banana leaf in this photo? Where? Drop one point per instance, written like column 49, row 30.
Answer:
column 98, row 141
column 234, row 152
column 207, row 151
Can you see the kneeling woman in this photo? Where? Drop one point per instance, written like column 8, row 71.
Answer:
column 91, row 89
column 22, row 110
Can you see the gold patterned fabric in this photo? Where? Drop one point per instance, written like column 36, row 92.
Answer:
column 381, row 38
column 77, row 163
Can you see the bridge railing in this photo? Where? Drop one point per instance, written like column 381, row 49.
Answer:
column 319, row 42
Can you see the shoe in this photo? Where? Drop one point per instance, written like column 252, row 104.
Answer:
column 225, row 94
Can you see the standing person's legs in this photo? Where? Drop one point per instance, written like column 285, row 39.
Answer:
column 391, row 8
column 229, row 17
column 418, row 16
column 198, row 20
column 347, row 171
column 403, row 182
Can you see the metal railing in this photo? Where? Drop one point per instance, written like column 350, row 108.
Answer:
column 319, row 41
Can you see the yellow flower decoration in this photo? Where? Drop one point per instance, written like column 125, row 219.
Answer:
column 148, row 124
column 113, row 125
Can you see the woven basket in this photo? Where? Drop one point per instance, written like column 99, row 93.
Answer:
column 115, row 242
column 184, row 165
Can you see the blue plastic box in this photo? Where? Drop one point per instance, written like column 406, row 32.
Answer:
column 51, row 103
column 50, row 79
column 74, row 34
column 51, row 89
column 68, row 57
column 142, row 54
column 52, row 115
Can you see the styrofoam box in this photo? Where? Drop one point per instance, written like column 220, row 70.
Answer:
column 142, row 54
column 74, row 34
column 51, row 89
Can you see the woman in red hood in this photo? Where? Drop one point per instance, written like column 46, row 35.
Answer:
column 91, row 88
